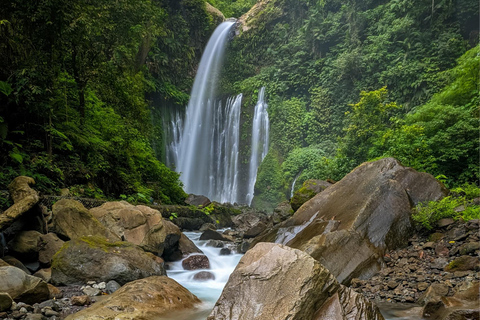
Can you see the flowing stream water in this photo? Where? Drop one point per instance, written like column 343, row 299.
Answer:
column 207, row 291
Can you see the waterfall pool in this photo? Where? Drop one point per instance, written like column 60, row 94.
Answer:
column 208, row 291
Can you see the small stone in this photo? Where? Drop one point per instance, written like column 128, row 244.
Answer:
column 441, row 249
column 89, row 291
column 112, row 286
column 5, row 301
column 225, row 252
column 23, row 310
column 80, row 300
column 429, row 245
column 460, row 274
column 49, row 312
column 469, row 248
column 100, row 285
column 437, row 236
column 91, row 282
column 444, row 222
column 392, row 284
column 34, row 316
column 439, row 263
column 204, row 276
column 422, row 286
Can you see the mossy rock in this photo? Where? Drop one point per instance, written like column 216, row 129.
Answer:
column 94, row 258
column 309, row 189
column 464, row 263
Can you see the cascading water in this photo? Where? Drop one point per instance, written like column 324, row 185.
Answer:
column 203, row 144
column 260, row 132
column 207, row 145
column 207, row 291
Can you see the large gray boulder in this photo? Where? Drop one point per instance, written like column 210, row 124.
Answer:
column 149, row 298
column 145, row 227
column 93, row 258
column 275, row 282
column 22, row 287
column 22, row 211
column 349, row 225
column 71, row 220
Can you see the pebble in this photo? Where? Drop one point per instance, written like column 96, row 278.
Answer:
column 409, row 272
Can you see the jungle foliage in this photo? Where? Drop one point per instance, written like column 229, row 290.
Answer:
column 74, row 78
column 354, row 81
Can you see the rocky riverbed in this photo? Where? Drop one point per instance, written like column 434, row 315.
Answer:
column 441, row 263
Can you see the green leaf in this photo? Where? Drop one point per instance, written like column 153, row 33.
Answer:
column 5, row 88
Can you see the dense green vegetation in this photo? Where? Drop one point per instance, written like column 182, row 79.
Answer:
column 82, row 85
column 459, row 205
column 353, row 81
column 74, row 82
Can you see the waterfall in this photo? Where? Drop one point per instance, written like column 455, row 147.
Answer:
column 259, row 146
column 293, row 186
column 203, row 144
column 207, row 151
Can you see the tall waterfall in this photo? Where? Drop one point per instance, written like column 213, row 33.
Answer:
column 203, row 144
column 260, row 132
column 207, row 152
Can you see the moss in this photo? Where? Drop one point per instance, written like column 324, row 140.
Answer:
column 300, row 197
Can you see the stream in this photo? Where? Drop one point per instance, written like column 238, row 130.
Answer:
column 222, row 266
column 208, row 291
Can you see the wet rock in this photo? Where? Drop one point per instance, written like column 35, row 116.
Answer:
column 225, row 252
column 204, row 276
column 94, row 258
column 214, row 235
column 112, row 286
column 195, row 262
column 149, row 298
column 349, row 226
column 215, row 243
column 91, row 292
column 309, row 290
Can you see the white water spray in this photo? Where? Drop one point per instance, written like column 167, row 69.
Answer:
column 260, row 132
column 198, row 149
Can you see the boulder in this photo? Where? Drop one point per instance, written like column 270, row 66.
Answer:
column 282, row 212
column 51, row 244
column 464, row 263
column 149, row 298
column 250, row 223
column 71, row 220
column 12, row 261
column 44, row 274
column 95, row 259
column 199, row 201
column 462, row 305
column 140, row 225
column 210, row 234
column 274, row 282
column 195, row 262
column 24, row 198
column 349, row 226
column 309, row 189
column 26, row 245
column 5, row 301
column 185, row 248
column 23, row 287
